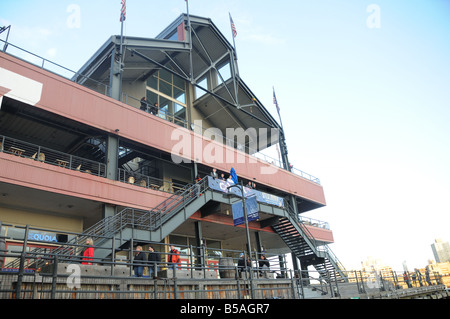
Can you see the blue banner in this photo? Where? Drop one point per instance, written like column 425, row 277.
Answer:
column 252, row 211
column 222, row 186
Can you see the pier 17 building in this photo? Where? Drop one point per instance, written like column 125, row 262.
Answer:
column 153, row 142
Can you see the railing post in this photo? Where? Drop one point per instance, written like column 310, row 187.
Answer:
column 113, row 254
column 191, row 257
column 54, row 276
column 22, row 263
column 301, row 283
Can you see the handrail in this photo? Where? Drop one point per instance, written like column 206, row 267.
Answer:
column 49, row 156
column 310, row 239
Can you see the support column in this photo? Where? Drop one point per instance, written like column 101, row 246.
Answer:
column 108, row 210
column 199, row 242
column 295, row 263
column 112, row 157
column 115, row 76
column 258, row 244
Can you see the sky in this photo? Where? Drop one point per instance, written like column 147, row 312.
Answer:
column 363, row 89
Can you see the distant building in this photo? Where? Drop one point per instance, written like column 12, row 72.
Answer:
column 441, row 251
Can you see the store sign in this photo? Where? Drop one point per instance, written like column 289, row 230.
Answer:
column 42, row 236
column 222, row 186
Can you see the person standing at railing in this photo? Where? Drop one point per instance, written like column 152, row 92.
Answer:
column 154, row 260
column 173, row 258
column 88, row 253
column 154, row 109
column 264, row 265
column 139, row 261
column 197, row 186
column 144, row 104
column 214, row 173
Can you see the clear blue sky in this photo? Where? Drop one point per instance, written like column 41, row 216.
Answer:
column 364, row 109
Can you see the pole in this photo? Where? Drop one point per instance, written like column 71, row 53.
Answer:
column 234, row 65
column 191, row 75
column 247, row 232
column 249, row 250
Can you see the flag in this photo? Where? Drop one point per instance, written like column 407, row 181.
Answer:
column 123, row 11
column 275, row 102
column 233, row 27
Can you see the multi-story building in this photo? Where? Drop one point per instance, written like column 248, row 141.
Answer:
column 441, row 251
column 81, row 154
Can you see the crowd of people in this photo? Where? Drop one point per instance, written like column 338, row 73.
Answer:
column 232, row 178
column 153, row 261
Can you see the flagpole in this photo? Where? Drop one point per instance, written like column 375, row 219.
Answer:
column 121, row 57
column 233, row 33
column 282, row 138
column 190, row 42
column 234, row 66
column 278, row 108
column 122, row 19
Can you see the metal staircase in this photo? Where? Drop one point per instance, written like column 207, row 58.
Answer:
column 305, row 247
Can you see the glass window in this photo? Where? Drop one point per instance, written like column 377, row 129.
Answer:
column 199, row 92
column 152, row 97
column 179, row 95
column 170, row 93
column 165, row 88
column 153, row 82
column 179, row 83
column 173, row 37
column 165, row 75
column 225, row 73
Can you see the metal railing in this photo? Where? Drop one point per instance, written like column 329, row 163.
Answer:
column 368, row 285
column 146, row 181
column 50, row 275
column 316, row 247
column 202, row 272
column 50, row 156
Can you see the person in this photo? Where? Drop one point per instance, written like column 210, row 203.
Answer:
column 222, row 177
column 139, row 259
column 413, row 277
column 197, row 186
column 214, row 174
column 243, row 264
column 406, row 279
column 88, row 253
column 174, row 257
column 249, row 185
column 155, row 109
column 144, row 104
column 264, row 265
column 230, row 180
column 428, row 278
column 419, row 276
column 154, row 259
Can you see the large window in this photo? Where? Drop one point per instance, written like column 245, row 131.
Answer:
column 169, row 91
